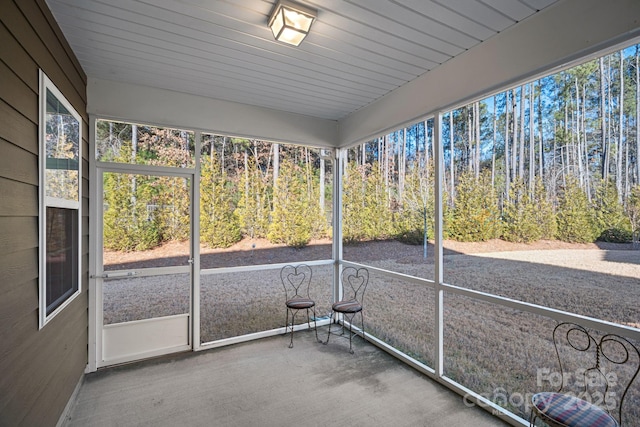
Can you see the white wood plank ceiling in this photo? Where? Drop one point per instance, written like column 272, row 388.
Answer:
column 356, row 52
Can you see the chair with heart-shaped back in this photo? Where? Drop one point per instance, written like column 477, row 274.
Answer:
column 354, row 283
column 297, row 281
column 601, row 371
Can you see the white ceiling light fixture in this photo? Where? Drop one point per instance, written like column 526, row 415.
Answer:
column 290, row 22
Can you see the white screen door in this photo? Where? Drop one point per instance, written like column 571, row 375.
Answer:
column 144, row 277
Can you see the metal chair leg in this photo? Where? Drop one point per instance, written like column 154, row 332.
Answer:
column 329, row 333
column 350, row 335
column 315, row 323
column 292, row 322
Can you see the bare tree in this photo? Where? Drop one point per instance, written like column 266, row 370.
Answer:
column 476, row 119
column 532, row 152
column 521, row 154
column 451, row 160
column 604, row 160
column 620, row 129
column 637, row 114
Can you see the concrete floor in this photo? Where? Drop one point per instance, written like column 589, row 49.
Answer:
column 264, row 383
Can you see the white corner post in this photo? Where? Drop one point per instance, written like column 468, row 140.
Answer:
column 94, row 347
column 439, row 277
column 195, row 247
column 338, row 172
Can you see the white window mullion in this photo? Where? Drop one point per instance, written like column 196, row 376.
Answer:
column 338, row 175
column 195, row 246
column 439, row 277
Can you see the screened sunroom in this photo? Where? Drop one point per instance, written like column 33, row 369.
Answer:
column 478, row 158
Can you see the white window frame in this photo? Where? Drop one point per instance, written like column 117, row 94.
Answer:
column 46, row 85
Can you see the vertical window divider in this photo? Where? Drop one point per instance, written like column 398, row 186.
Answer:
column 95, row 244
column 338, row 175
column 438, row 271
column 195, row 245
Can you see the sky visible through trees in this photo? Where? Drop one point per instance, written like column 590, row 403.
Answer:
column 555, row 158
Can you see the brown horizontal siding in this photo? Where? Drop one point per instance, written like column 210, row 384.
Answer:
column 18, row 293
column 18, row 164
column 18, row 198
column 59, row 69
column 77, row 356
column 17, row 59
column 36, row 373
column 21, row 298
column 19, row 233
column 40, row 367
column 18, row 129
column 15, row 92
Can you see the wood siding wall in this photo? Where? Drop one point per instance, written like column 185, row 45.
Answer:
column 39, row 369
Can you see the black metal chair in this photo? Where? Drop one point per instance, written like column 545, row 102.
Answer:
column 354, row 283
column 611, row 364
column 297, row 281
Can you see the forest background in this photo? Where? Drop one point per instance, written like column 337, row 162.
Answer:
column 556, row 158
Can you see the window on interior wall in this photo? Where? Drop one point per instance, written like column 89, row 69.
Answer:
column 60, row 178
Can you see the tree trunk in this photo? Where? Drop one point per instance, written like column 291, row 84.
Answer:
column 493, row 145
column 426, row 149
column 637, row 115
column 276, row 165
column 402, row 163
column 451, row 162
column 620, row 130
column 540, row 137
column 521, row 159
column 321, row 185
column 476, row 116
column 609, row 112
column 224, row 143
column 567, row 163
column 585, row 148
column 577, row 134
column 507, row 175
column 532, row 145
column 134, row 153
column 604, row 157
column 469, row 138
column 514, row 151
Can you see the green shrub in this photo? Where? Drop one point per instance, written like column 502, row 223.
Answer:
column 574, row 217
column 416, row 216
column 292, row 216
column 520, row 216
column 616, row 235
column 545, row 214
column 475, row 214
column 611, row 224
column 219, row 227
column 254, row 205
column 128, row 225
column 366, row 209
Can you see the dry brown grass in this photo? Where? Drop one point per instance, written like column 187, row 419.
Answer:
column 491, row 349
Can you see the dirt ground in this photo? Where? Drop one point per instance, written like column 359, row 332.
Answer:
column 261, row 251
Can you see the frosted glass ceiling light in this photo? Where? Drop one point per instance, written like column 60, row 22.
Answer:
column 290, row 22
